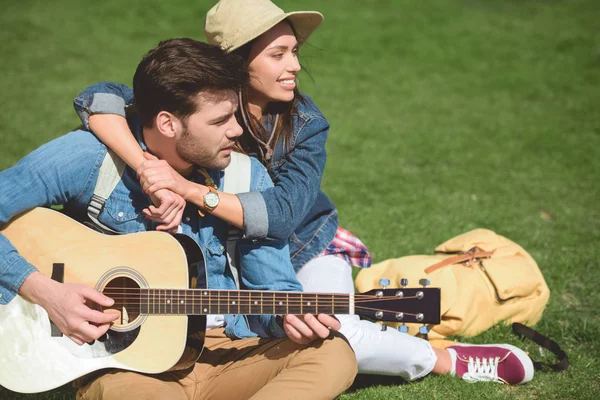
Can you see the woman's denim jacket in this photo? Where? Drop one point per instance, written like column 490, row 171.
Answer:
column 65, row 171
column 295, row 208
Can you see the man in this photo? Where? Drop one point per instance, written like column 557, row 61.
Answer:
column 186, row 99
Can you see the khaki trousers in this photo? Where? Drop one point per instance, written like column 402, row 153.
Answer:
column 240, row 369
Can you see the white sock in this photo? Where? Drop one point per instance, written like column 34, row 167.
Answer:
column 453, row 356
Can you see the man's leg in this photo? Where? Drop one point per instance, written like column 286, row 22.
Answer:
column 273, row 368
column 119, row 385
column 239, row 369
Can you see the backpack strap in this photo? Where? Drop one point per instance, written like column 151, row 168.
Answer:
column 545, row 342
column 236, row 180
column 469, row 258
column 110, row 173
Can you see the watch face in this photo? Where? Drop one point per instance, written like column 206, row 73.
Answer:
column 211, row 199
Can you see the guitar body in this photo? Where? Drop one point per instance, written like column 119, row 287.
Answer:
column 37, row 357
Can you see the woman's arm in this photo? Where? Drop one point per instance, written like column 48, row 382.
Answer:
column 229, row 208
column 297, row 185
column 101, row 108
column 156, row 175
column 114, row 132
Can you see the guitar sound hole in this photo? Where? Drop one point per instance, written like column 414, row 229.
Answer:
column 126, row 294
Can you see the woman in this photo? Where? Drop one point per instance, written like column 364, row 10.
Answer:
column 287, row 132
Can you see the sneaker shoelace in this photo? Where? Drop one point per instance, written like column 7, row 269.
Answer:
column 483, row 370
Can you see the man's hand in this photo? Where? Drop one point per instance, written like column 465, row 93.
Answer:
column 67, row 308
column 167, row 210
column 305, row 329
column 162, row 182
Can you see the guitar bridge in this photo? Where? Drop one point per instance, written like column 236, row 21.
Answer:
column 58, row 274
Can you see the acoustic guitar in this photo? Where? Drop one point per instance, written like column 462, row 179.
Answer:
column 148, row 274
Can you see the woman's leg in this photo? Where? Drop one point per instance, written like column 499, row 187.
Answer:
column 378, row 352
column 393, row 353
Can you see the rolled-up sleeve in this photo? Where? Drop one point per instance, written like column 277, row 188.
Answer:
column 256, row 217
column 102, row 98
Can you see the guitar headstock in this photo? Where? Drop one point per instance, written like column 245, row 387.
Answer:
column 405, row 305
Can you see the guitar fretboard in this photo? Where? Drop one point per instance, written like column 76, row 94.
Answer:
column 247, row 302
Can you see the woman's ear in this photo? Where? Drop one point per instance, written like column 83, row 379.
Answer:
column 168, row 124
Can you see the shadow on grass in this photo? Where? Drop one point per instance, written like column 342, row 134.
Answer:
column 363, row 381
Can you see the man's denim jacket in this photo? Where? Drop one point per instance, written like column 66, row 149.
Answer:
column 65, row 171
column 295, row 209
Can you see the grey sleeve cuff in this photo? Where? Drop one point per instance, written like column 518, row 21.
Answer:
column 103, row 103
column 256, row 218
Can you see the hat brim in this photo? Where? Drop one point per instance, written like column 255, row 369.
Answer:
column 304, row 23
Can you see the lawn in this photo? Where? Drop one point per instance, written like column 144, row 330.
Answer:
column 446, row 115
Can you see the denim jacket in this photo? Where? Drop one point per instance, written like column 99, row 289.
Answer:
column 295, row 208
column 65, row 171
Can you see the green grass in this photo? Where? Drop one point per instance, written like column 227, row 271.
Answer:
column 446, row 115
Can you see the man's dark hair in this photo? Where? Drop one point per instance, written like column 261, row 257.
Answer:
column 170, row 77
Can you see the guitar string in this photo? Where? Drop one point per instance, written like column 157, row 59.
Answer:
column 175, row 292
column 295, row 299
column 130, row 289
column 225, row 299
column 217, row 292
column 287, row 313
column 138, row 310
column 240, row 300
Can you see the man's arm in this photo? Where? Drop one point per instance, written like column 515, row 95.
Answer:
column 60, row 172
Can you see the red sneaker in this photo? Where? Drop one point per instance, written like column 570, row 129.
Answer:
column 501, row 363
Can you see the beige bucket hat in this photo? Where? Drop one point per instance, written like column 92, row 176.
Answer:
column 233, row 23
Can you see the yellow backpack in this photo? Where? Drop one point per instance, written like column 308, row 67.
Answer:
column 484, row 278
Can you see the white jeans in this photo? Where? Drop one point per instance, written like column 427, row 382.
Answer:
column 378, row 352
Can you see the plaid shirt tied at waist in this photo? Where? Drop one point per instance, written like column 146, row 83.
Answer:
column 347, row 246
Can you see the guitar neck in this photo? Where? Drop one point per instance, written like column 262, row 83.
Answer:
column 247, row 302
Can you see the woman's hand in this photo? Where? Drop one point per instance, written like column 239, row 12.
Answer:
column 308, row 328
column 155, row 174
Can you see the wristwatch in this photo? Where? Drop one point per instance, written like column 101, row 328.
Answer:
column 211, row 199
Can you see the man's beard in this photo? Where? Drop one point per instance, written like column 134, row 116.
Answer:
column 191, row 150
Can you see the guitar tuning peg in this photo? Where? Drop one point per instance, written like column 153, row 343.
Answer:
column 384, row 282
column 424, row 282
column 383, row 327
column 423, row 332
column 403, row 328
column 404, row 282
